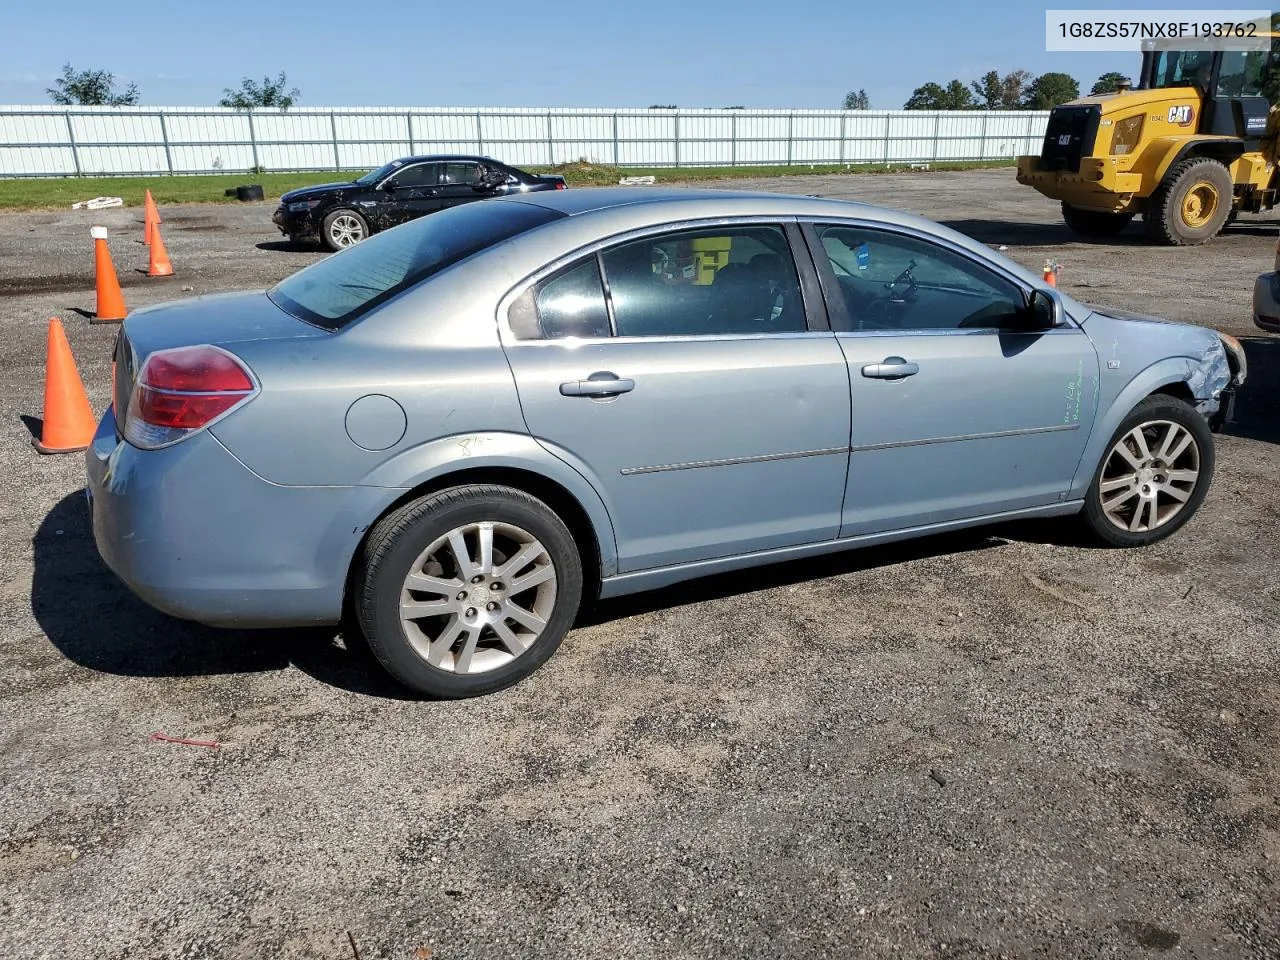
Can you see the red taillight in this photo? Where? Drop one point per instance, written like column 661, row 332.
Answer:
column 195, row 370
column 562, row 185
column 184, row 411
column 182, row 390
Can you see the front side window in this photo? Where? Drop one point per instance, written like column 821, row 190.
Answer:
column 724, row 280
column 889, row 281
column 419, row 175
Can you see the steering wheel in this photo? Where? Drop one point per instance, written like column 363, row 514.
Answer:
column 907, row 277
column 885, row 311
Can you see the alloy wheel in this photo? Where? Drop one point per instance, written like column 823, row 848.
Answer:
column 346, row 230
column 478, row 597
column 1149, row 476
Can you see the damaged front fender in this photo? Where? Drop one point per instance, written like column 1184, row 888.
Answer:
column 1212, row 374
column 1214, row 364
column 1214, row 380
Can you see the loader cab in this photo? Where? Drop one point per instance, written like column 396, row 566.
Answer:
column 1229, row 82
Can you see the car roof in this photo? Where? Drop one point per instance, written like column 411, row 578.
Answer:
column 700, row 202
column 477, row 158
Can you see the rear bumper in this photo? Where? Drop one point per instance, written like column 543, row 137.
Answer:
column 197, row 535
column 1097, row 186
column 1266, row 302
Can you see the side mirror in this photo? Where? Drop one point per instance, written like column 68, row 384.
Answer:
column 1044, row 311
column 387, row 185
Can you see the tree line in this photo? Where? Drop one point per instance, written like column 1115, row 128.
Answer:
column 1016, row 90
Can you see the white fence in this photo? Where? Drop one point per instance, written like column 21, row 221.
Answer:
column 93, row 141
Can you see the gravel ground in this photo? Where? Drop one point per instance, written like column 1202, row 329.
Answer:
column 1000, row 743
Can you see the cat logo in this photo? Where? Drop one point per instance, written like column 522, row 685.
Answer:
column 1181, row 115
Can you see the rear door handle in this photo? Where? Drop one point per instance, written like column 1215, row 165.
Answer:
column 602, row 383
column 893, row 368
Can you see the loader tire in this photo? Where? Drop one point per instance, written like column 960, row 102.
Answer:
column 1094, row 223
column 1191, row 204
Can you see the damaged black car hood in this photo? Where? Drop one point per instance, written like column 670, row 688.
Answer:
column 319, row 190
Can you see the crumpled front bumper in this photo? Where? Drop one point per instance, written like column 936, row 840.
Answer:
column 295, row 225
column 1224, row 369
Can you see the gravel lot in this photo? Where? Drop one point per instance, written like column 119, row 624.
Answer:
column 1001, row 743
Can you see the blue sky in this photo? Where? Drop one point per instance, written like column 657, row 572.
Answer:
column 557, row 53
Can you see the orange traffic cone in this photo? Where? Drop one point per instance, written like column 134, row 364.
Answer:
column 160, row 265
column 68, row 419
column 110, row 300
column 1051, row 273
column 150, row 218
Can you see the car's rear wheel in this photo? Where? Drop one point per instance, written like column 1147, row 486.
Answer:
column 468, row 590
column 343, row 228
column 1154, row 475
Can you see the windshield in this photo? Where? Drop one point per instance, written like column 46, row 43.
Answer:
column 384, row 171
column 338, row 289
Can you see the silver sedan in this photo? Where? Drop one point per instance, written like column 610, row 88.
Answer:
column 455, row 433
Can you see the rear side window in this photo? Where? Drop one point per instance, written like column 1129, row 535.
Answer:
column 335, row 291
column 461, row 173
column 727, row 280
column 569, row 304
column 572, row 304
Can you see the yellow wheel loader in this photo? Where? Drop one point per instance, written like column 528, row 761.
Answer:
column 1193, row 145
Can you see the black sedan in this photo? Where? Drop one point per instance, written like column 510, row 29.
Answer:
column 340, row 214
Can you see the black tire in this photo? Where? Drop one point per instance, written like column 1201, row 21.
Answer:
column 1095, row 223
column 400, row 538
column 1155, row 409
column 330, row 237
column 1164, row 220
column 250, row 192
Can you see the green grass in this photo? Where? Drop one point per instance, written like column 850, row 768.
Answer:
column 53, row 193
column 60, row 192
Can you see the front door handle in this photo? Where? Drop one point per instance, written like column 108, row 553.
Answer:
column 602, row 383
column 893, row 368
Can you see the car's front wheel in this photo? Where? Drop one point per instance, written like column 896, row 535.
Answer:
column 1154, row 475
column 468, row 590
column 343, row 228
